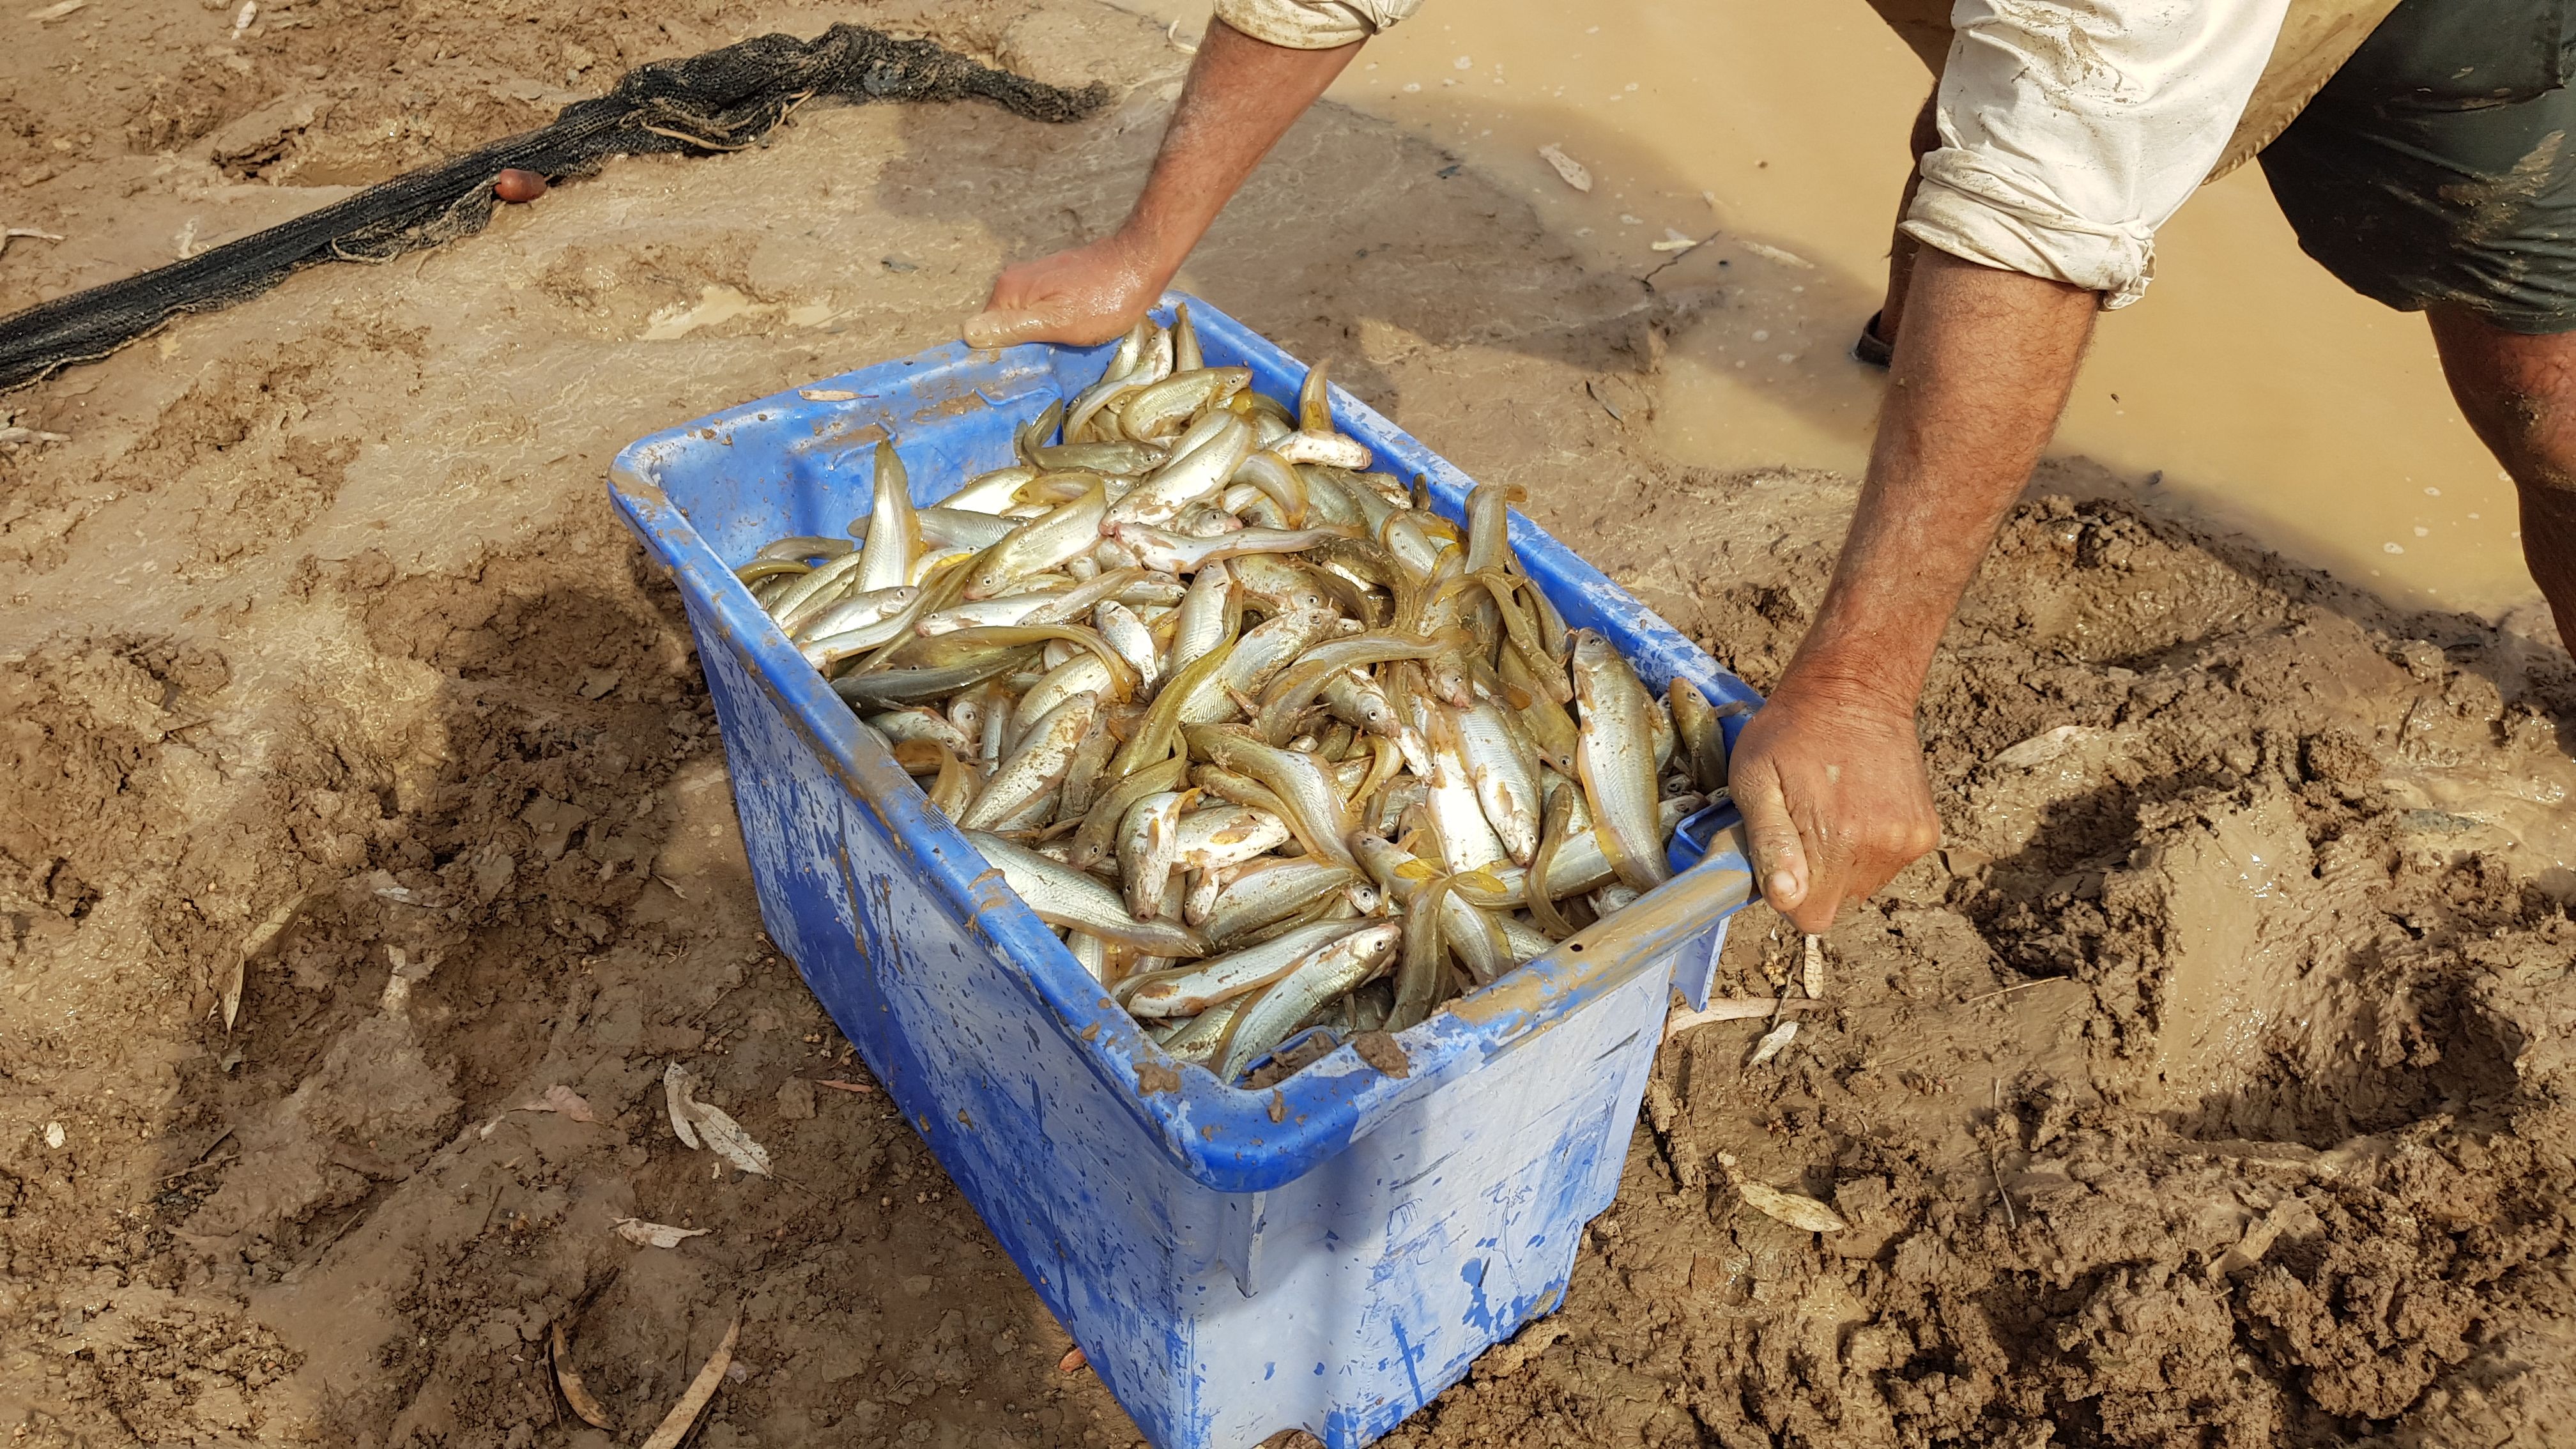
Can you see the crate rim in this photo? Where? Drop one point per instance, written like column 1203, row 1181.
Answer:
column 1223, row 1137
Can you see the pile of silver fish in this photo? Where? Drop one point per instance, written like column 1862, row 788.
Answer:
column 1270, row 743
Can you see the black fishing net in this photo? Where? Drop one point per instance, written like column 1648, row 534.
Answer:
column 723, row 100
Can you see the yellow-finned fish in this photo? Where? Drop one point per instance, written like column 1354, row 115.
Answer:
column 1063, row 896
column 1227, row 835
column 1506, row 783
column 1197, row 468
column 1066, row 532
column 1189, row 990
column 1198, row 1037
column 1468, row 932
column 1165, row 407
column 1703, row 734
column 1316, row 811
column 1468, row 840
column 894, row 535
column 1148, row 847
column 1271, row 893
column 1269, row 1017
column 1036, row 767
column 1614, row 755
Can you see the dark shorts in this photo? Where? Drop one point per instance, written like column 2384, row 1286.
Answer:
column 2438, row 167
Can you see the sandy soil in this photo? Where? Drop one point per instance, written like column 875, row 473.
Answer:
column 2212, row 1086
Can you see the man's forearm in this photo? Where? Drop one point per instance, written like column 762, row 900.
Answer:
column 1243, row 95
column 1982, row 370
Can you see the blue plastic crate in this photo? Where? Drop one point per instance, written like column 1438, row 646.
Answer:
column 1327, row 1255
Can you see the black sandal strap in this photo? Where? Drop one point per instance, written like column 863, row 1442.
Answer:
column 1871, row 348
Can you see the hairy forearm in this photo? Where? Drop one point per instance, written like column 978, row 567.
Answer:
column 1983, row 366
column 1242, row 96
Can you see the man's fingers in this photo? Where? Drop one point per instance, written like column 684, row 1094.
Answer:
column 1815, row 915
column 1870, row 874
column 1779, row 856
column 1006, row 326
column 1003, row 327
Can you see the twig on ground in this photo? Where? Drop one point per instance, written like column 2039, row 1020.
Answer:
column 10, row 234
column 2008, row 990
column 202, row 1166
column 2012, row 1215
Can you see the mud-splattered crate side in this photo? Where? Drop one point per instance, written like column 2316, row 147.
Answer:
column 1326, row 1255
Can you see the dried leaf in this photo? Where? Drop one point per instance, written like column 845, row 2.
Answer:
column 694, row 1120
column 727, row 1140
column 679, row 1085
column 1795, row 1209
column 559, row 1098
column 1813, row 975
column 257, row 941
column 592, row 1412
column 1675, row 241
column 407, row 968
column 1773, row 1042
column 1776, row 254
column 656, row 1235
column 404, row 972
column 837, row 1085
column 1571, row 170
column 684, row 1414
column 2249, row 1250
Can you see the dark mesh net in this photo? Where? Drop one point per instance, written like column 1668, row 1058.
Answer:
column 723, row 100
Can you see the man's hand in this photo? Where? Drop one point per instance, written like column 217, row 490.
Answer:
column 1241, row 96
column 1085, row 296
column 1834, row 797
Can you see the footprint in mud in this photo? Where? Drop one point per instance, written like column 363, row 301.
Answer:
column 2276, row 1001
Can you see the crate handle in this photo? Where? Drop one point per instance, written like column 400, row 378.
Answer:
column 1647, row 931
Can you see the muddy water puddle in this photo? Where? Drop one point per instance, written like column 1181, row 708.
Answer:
column 2250, row 387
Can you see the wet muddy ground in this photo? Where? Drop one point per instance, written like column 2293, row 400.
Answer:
column 2212, row 1085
